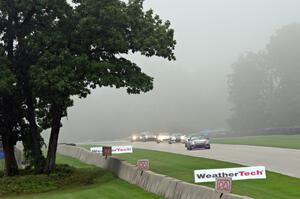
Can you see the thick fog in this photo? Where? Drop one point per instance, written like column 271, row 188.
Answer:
column 190, row 93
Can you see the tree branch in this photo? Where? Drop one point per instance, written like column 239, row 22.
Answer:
column 12, row 10
column 28, row 16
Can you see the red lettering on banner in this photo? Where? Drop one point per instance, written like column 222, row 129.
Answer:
column 253, row 173
column 259, row 172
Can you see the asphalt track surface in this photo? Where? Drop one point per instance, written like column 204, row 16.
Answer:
column 280, row 160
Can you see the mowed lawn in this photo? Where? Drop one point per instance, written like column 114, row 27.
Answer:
column 276, row 186
column 283, row 141
column 1, row 164
column 106, row 186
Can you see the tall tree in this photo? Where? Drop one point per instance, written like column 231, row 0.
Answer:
column 264, row 88
column 91, row 42
column 58, row 51
column 283, row 57
column 19, row 20
column 250, row 87
column 10, row 114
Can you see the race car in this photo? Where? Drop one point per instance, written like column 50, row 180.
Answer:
column 162, row 137
column 143, row 137
column 177, row 138
column 134, row 138
column 197, row 141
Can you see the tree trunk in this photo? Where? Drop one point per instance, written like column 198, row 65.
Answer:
column 20, row 67
column 11, row 166
column 35, row 138
column 35, row 143
column 56, row 114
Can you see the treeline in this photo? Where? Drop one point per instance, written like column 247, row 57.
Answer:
column 264, row 88
column 51, row 51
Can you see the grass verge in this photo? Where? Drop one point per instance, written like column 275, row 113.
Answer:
column 1, row 165
column 283, row 141
column 85, row 181
column 276, row 186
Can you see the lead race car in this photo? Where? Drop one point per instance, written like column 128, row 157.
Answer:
column 197, row 141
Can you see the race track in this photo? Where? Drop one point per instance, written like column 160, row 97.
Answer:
column 280, row 160
column 285, row 161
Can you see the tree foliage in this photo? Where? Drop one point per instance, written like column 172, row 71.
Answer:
column 283, row 56
column 249, row 91
column 54, row 51
column 264, row 87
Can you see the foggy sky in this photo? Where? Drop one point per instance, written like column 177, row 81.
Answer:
column 190, row 93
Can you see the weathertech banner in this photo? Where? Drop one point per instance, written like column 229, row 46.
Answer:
column 115, row 149
column 241, row 173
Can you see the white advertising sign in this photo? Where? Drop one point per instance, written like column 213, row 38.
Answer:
column 115, row 149
column 241, row 173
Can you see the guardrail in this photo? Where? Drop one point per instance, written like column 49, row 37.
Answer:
column 162, row 185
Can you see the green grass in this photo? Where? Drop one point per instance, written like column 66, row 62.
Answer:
column 283, row 141
column 1, row 165
column 276, row 186
column 62, row 159
column 87, row 182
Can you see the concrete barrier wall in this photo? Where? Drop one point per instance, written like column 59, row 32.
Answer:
column 162, row 185
column 19, row 156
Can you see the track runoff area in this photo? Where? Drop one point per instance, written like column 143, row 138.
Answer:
column 222, row 177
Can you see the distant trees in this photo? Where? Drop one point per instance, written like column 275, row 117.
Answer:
column 51, row 51
column 284, row 59
column 264, row 88
column 249, row 88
